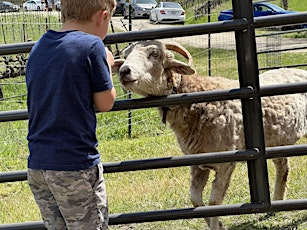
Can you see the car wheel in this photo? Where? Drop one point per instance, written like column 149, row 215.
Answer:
column 150, row 19
column 158, row 21
column 133, row 14
column 298, row 27
column 26, row 9
column 38, row 8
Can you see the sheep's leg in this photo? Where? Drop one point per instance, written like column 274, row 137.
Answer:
column 282, row 170
column 219, row 188
column 199, row 178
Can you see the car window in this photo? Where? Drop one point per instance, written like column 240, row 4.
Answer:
column 171, row 5
column 263, row 8
column 146, row 1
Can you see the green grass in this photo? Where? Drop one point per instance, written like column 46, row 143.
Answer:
column 152, row 189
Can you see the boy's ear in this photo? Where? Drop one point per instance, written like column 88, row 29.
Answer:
column 102, row 15
column 105, row 14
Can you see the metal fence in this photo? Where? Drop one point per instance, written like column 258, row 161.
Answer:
column 250, row 93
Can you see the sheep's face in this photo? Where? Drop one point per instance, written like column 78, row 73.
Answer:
column 150, row 69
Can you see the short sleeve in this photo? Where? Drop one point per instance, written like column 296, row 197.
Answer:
column 99, row 68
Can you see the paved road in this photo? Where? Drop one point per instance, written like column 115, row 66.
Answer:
column 220, row 40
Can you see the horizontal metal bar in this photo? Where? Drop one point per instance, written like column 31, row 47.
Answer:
column 180, row 99
column 130, row 36
column 286, row 151
column 178, row 161
column 186, row 213
column 274, row 33
column 14, row 115
column 284, row 66
column 279, row 20
column 31, row 225
column 282, row 50
column 282, row 89
column 156, row 163
column 185, row 160
column 178, row 31
column 175, row 99
column 16, row 48
column 13, row 176
column 208, row 211
column 185, row 98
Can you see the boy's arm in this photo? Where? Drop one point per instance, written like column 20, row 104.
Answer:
column 104, row 100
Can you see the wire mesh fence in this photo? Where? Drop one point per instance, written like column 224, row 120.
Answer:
column 213, row 55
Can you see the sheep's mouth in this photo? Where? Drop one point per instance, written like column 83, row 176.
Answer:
column 127, row 82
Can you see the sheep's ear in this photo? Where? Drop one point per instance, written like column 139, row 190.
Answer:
column 180, row 67
column 117, row 64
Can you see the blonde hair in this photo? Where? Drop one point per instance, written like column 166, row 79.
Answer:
column 83, row 10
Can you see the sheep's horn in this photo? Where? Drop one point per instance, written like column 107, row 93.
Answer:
column 181, row 50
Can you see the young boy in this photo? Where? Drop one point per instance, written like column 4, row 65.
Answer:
column 69, row 76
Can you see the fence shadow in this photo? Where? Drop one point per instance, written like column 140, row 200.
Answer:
column 253, row 224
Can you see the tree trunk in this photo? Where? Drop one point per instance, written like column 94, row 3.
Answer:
column 285, row 4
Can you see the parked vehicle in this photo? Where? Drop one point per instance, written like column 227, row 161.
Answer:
column 33, row 5
column 262, row 9
column 119, row 7
column 170, row 12
column 6, row 7
column 140, row 8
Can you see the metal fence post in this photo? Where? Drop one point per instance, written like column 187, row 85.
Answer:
column 251, row 107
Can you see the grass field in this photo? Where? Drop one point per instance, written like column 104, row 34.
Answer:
column 152, row 189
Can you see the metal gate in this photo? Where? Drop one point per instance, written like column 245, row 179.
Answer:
column 250, row 93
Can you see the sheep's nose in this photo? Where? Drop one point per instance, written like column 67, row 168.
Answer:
column 124, row 71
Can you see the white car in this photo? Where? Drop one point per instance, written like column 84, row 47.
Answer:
column 33, row 5
column 168, row 12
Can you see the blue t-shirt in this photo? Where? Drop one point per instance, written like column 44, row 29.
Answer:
column 63, row 72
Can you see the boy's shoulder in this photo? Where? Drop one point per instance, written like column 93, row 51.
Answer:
column 74, row 37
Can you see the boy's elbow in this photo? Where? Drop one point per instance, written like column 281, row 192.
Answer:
column 104, row 101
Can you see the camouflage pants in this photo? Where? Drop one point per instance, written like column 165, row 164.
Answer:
column 71, row 199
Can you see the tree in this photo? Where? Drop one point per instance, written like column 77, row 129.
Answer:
column 285, row 4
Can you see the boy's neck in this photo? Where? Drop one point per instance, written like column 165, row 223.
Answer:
column 69, row 26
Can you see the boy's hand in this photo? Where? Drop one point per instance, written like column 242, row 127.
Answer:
column 110, row 57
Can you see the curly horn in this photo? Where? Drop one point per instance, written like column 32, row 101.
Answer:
column 174, row 46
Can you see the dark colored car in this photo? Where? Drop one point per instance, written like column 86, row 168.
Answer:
column 119, row 7
column 8, row 7
column 262, row 9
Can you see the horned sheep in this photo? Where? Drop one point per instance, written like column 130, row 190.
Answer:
column 150, row 69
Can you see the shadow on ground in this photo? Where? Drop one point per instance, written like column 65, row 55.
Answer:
column 260, row 223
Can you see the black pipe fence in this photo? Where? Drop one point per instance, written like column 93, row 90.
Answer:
column 250, row 93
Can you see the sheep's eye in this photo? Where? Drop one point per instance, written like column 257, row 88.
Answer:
column 153, row 54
